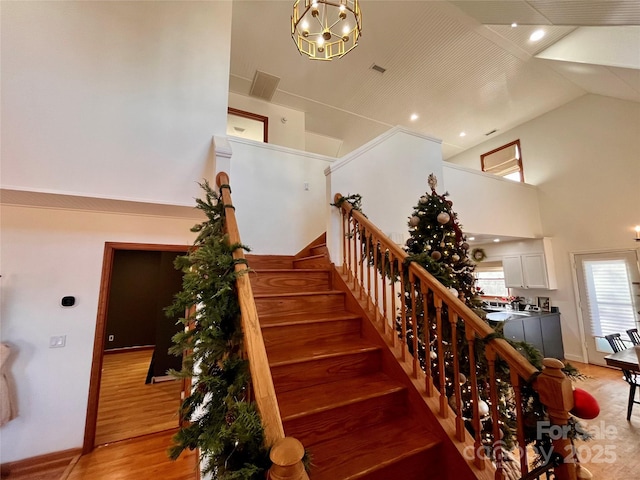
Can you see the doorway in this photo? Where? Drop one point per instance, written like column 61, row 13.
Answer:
column 132, row 337
column 608, row 287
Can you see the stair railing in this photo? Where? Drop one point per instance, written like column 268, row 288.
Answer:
column 286, row 452
column 366, row 252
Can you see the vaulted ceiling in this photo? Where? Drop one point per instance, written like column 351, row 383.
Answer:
column 459, row 65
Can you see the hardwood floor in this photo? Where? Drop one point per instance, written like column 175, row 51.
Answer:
column 615, row 450
column 127, row 406
column 135, row 459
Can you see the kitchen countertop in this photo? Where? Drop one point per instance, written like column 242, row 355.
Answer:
column 501, row 315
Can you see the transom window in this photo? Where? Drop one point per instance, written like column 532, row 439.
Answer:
column 505, row 161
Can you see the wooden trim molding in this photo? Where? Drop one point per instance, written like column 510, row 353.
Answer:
column 253, row 116
column 41, row 463
column 101, row 325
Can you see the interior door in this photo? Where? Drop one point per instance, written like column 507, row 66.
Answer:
column 609, row 289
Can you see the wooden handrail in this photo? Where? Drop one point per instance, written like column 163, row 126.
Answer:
column 362, row 244
column 502, row 347
column 262, row 382
column 286, row 460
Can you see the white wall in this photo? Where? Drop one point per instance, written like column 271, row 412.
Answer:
column 391, row 174
column 276, row 215
column 47, row 254
column 488, row 204
column 584, row 159
column 286, row 134
column 113, row 99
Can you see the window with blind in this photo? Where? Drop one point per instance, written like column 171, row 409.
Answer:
column 505, row 161
column 609, row 298
column 491, row 282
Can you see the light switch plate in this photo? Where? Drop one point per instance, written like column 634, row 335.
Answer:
column 57, row 341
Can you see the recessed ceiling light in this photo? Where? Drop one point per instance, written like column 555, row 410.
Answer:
column 463, row 134
column 537, row 35
column 514, row 25
column 496, row 240
column 414, row 117
column 472, row 238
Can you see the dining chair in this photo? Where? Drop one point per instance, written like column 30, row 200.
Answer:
column 634, row 336
column 617, row 345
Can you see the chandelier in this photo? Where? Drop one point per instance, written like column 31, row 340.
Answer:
column 323, row 29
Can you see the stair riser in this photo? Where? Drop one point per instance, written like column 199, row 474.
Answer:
column 426, row 465
column 294, row 336
column 256, row 262
column 311, row 262
column 298, row 375
column 338, row 421
column 319, row 250
column 322, row 303
column 289, row 282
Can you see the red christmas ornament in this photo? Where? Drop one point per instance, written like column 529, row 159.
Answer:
column 585, row 406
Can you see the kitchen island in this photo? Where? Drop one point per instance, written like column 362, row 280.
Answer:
column 541, row 329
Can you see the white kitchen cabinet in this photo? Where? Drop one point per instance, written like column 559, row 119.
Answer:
column 530, row 270
column 513, row 275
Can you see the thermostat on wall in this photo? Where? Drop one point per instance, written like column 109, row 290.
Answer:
column 68, row 301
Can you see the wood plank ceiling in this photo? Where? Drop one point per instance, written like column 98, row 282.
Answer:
column 459, row 65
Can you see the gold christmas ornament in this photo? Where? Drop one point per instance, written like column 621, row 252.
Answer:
column 443, row 218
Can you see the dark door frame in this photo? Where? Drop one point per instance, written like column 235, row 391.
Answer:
column 101, row 327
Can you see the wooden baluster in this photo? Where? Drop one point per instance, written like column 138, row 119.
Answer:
column 556, row 394
column 368, row 239
column 345, row 231
column 393, row 299
column 444, row 406
column 348, row 240
column 383, row 279
column 376, row 249
column 495, row 415
column 453, row 321
column 403, row 314
column 515, row 383
column 354, row 241
column 286, row 455
column 428, row 380
column 473, row 379
column 414, row 323
column 361, row 251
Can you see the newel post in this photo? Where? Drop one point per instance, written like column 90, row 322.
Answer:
column 286, row 455
column 556, row 394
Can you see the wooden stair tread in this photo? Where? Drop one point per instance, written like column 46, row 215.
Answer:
column 295, row 318
column 317, row 398
column 283, row 321
column 363, row 451
column 297, row 294
column 308, row 257
column 338, row 347
column 291, row 270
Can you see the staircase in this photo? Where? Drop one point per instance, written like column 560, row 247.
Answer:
column 340, row 389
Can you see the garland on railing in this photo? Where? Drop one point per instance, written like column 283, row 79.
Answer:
column 438, row 244
column 223, row 423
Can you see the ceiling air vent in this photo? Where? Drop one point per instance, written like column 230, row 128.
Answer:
column 491, row 132
column 264, row 85
column 378, row 68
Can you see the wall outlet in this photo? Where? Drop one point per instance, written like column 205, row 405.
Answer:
column 57, row 341
column 112, row 338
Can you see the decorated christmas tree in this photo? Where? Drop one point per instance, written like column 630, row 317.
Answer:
column 438, row 243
